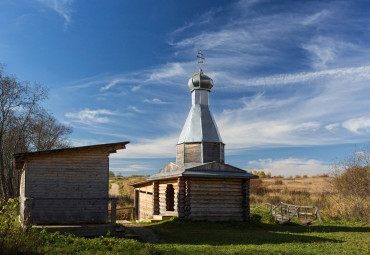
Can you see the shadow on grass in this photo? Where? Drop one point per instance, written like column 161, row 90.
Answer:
column 254, row 232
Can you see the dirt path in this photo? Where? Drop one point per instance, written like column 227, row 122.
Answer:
column 114, row 191
column 142, row 231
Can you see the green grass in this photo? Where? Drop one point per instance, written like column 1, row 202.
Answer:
column 260, row 236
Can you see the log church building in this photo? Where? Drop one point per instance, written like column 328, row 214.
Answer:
column 199, row 185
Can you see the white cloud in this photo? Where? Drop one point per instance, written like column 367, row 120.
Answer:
column 167, row 71
column 135, row 88
column 135, row 109
column 62, row 7
column 130, row 168
column 357, row 124
column 88, row 116
column 316, row 17
column 289, row 166
column 356, row 73
column 112, row 84
column 154, row 101
column 325, row 50
column 161, row 147
column 332, row 126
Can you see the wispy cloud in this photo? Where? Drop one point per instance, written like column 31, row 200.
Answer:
column 88, row 116
column 168, row 71
column 161, row 147
column 312, row 19
column 289, row 166
column 358, row 124
column 135, row 109
column 112, row 84
column 62, row 7
column 361, row 73
column 154, row 101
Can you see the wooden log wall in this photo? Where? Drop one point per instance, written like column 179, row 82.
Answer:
column 181, row 182
column 216, row 199
column 162, row 197
column 68, row 187
column 155, row 198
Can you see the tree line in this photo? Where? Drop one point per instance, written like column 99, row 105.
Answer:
column 24, row 126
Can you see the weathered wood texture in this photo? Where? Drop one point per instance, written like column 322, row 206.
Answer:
column 212, row 152
column 193, row 153
column 67, row 187
column 67, row 211
column 180, row 153
column 145, row 200
column 246, row 199
column 22, row 198
column 155, row 198
column 200, row 152
column 216, row 199
column 181, row 182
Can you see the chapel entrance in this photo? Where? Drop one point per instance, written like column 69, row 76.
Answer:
column 170, row 198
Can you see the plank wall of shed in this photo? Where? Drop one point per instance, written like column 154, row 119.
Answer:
column 145, row 200
column 216, row 199
column 68, row 187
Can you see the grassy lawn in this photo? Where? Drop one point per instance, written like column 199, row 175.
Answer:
column 259, row 236
column 262, row 237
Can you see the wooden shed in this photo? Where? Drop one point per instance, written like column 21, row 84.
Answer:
column 199, row 186
column 65, row 186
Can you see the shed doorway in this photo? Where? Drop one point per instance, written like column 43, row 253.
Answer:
column 170, row 198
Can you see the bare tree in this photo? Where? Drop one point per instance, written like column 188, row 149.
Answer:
column 24, row 126
column 351, row 184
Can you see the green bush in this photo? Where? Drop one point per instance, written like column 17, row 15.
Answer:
column 13, row 238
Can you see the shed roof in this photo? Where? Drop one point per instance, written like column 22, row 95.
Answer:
column 211, row 169
column 19, row 158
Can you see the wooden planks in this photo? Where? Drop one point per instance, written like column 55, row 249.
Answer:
column 180, row 153
column 66, row 211
column 193, row 153
column 67, row 187
column 145, row 202
column 211, row 152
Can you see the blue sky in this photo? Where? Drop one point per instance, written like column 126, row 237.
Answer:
column 292, row 78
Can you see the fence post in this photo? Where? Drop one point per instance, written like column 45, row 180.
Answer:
column 299, row 209
column 281, row 213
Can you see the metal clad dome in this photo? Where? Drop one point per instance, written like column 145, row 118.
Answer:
column 200, row 81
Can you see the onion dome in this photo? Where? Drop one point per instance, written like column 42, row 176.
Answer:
column 200, row 81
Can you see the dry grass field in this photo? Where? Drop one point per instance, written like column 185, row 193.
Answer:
column 311, row 191
column 295, row 190
column 126, row 197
